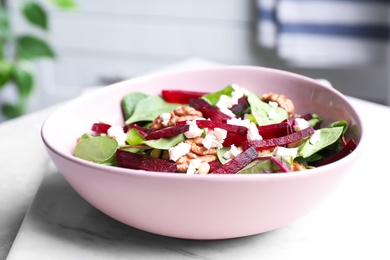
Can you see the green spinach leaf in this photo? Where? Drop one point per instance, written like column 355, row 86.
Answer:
column 341, row 123
column 98, row 149
column 213, row 98
column 165, row 143
column 134, row 137
column 260, row 111
column 259, row 166
column 328, row 136
column 314, row 120
column 129, row 102
column 149, row 109
column 221, row 152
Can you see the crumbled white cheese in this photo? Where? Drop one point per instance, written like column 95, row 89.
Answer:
column 273, row 104
column 283, row 151
column 272, row 113
column 194, row 130
column 116, row 132
column 165, row 118
column 178, row 151
column 238, row 91
column 225, row 103
column 300, row 124
column 214, row 138
column 227, row 111
column 315, row 137
column 193, row 166
column 233, row 152
column 239, row 122
column 253, row 133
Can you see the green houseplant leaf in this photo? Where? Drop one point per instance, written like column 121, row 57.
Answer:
column 24, row 80
column 15, row 49
column 30, row 47
column 4, row 23
column 64, row 4
column 5, row 72
column 35, row 14
column 12, row 110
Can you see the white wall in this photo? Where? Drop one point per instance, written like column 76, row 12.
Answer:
column 106, row 41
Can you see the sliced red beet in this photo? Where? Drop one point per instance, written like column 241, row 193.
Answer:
column 214, row 165
column 142, row 130
column 241, row 107
column 307, row 117
column 208, row 110
column 233, row 138
column 347, row 149
column 136, row 161
column 166, row 132
column 241, row 130
column 100, row 128
column 238, row 162
column 277, row 130
column 279, row 141
column 180, row 96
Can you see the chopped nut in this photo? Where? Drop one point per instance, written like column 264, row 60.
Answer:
column 198, row 148
column 282, row 101
column 204, row 168
column 165, row 155
column 298, row 167
column 294, row 144
column 198, row 140
column 184, row 161
column 182, row 168
column 183, row 113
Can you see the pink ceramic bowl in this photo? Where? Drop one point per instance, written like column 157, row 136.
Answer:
column 199, row 206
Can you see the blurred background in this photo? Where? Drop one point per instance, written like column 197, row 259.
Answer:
column 99, row 42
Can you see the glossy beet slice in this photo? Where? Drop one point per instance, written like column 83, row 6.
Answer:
column 136, row 161
column 279, row 141
column 100, row 128
column 214, row 165
column 166, row 132
column 347, row 149
column 180, row 96
column 142, row 130
column 241, row 130
column 233, row 138
column 208, row 110
column 277, row 130
column 241, row 108
column 238, row 162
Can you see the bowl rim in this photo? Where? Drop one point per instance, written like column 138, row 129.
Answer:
column 211, row 177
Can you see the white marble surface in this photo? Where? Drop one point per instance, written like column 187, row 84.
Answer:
column 22, row 163
column 353, row 223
